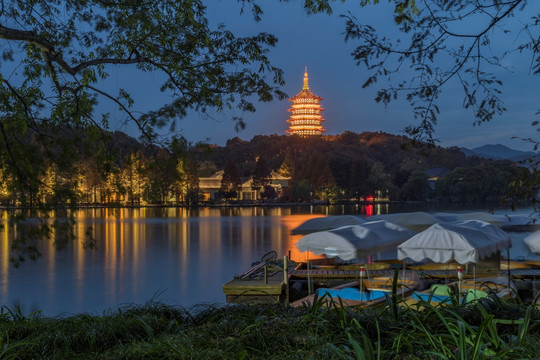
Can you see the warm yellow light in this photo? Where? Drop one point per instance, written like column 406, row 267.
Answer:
column 305, row 118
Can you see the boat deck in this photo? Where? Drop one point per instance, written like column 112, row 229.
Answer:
column 254, row 287
column 345, row 274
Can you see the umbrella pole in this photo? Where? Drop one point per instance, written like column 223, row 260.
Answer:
column 474, row 281
column 460, row 278
column 308, row 277
column 403, row 280
column 362, row 274
column 508, row 265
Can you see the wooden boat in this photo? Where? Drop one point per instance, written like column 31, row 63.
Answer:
column 374, row 292
column 385, row 283
column 533, row 263
column 322, row 263
column 436, row 266
column 497, row 286
column 367, row 266
column 347, row 294
column 465, row 291
column 515, row 264
column 331, row 263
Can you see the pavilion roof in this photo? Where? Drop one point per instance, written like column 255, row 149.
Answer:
column 305, row 94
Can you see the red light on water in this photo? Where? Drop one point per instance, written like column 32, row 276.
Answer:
column 369, row 210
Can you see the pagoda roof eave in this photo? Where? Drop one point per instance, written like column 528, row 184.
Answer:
column 305, row 94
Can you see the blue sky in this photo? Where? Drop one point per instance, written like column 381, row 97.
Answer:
column 317, row 42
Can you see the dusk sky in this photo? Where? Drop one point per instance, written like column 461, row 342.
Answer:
column 317, row 42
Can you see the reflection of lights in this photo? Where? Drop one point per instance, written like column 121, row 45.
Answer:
column 5, row 250
column 290, row 222
column 369, row 210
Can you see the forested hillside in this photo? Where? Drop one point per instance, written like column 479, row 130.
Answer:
column 346, row 167
column 354, row 166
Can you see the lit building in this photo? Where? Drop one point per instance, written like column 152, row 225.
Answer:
column 210, row 186
column 305, row 118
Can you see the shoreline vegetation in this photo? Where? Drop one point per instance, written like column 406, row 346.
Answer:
column 485, row 329
column 255, row 203
column 346, row 168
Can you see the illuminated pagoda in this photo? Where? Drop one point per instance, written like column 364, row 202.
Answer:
column 305, row 118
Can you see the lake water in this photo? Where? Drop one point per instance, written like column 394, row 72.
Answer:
column 179, row 256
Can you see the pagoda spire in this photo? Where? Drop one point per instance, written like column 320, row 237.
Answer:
column 306, row 85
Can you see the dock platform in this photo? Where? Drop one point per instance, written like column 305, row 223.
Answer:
column 354, row 274
column 253, row 287
column 258, row 288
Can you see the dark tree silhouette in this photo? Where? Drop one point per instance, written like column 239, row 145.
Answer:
column 261, row 174
column 230, row 182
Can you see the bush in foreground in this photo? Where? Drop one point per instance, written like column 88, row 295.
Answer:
column 487, row 329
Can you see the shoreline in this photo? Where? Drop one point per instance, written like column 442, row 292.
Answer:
column 266, row 204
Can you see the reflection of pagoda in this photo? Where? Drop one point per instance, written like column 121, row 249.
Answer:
column 305, row 116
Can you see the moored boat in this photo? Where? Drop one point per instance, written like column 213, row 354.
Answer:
column 367, row 266
column 464, row 291
column 373, row 292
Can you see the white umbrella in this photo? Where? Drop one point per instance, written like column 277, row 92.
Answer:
column 373, row 238
column 478, row 215
column 417, row 220
column 521, row 250
column 519, row 220
column 533, row 242
column 464, row 242
column 326, row 223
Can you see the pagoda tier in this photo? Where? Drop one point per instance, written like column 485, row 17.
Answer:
column 305, row 118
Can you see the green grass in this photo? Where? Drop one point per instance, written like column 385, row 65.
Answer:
column 486, row 329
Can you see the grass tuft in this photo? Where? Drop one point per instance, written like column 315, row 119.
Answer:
column 481, row 330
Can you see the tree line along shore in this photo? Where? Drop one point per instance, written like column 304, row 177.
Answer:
column 350, row 167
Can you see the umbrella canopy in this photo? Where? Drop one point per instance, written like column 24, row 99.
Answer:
column 533, row 242
column 514, row 220
column 482, row 216
column 326, row 223
column 463, row 241
column 521, row 250
column 416, row 221
column 356, row 241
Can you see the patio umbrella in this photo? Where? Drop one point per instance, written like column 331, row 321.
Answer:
column 326, row 223
column 416, row 221
column 533, row 241
column 478, row 215
column 375, row 238
column 518, row 220
column 517, row 223
column 463, row 241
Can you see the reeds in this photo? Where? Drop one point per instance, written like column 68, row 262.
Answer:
column 485, row 329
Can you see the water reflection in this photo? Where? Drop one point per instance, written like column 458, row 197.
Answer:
column 187, row 254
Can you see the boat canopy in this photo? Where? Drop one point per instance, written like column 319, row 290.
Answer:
column 416, row 221
column 533, row 241
column 462, row 241
column 375, row 238
column 327, row 223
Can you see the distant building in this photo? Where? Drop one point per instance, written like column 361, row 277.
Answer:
column 210, row 186
column 305, row 118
